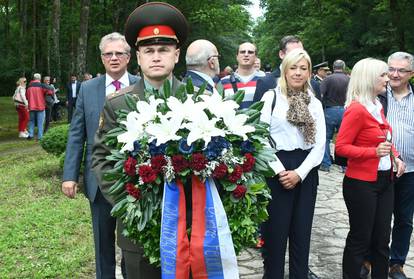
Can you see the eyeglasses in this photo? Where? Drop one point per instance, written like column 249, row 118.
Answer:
column 216, row 55
column 118, row 54
column 391, row 70
column 247, row 51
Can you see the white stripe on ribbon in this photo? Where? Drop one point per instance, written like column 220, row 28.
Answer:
column 228, row 255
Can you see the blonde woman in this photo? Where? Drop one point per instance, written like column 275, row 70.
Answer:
column 365, row 139
column 297, row 126
column 21, row 104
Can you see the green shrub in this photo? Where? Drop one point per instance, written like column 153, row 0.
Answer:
column 54, row 141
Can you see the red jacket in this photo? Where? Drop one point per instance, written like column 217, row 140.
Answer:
column 358, row 137
column 35, row 94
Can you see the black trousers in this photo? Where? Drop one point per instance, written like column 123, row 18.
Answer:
column 290, row 218
column 370, row 206
column 138, row 267
column 104, row 226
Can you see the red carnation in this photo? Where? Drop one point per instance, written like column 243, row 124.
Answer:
column 198, row 162
column 179, row 163
column 132, row 190
column 236, row 174
column 220, row 171
column 130, row 166
column 248, row 162
column 157, row 162
column 147, row 174
column 239, row 192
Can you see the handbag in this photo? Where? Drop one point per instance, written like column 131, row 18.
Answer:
column 17, row 97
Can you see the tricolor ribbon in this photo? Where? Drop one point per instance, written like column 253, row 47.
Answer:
column 210, row 253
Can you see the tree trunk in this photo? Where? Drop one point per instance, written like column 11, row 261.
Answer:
column 55, row 39
column 396, row 13
column 7, row 26
column 83, row 37
column 34, row 36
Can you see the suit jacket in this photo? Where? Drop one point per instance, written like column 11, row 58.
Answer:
column 197, row 80
column 269, row 82
column 69, row 95
column 100, row 150
column 82, row 130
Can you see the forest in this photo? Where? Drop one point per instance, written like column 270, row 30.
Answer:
column 57, row 38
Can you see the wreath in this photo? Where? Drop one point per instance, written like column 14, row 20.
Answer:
column 167, row 137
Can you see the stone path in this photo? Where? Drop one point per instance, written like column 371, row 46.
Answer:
column 330, row 227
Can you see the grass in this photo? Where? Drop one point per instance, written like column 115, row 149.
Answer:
column 8, row 118
column 43, row 234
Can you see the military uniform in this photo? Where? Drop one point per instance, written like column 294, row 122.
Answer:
column 107, row 122
column 150, row 24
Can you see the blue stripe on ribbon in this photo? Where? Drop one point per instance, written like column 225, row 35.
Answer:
column 212, row 255
column 169, row 226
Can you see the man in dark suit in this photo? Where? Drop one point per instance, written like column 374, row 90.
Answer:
column 287, row 44
column 72, row 92
column 157, row 31
column 202, row 60
column 115, row 54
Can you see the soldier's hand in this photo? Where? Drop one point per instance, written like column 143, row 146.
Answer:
column 69, row 188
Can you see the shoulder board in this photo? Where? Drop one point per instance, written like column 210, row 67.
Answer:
column 120, row 92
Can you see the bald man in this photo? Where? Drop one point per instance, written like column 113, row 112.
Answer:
column 202, row 60
column 246, row 76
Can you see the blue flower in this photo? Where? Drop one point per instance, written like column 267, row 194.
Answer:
column 157, row 150
column 184, row 148
column 215, row 147
column 137, row 148
column 247, row 147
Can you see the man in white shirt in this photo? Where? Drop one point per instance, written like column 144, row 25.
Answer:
column 202, row 60
column 115, row 55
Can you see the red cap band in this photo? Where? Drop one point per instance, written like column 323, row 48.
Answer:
column 154, row 31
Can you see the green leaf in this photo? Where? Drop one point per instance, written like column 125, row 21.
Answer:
column 166, row 89
column 189, row 86
column 130, row 101
column 181, row 93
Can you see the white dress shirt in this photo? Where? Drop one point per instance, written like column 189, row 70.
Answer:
column 375, row 111
column 110, row 88
column 74, row 89
column 287, row 137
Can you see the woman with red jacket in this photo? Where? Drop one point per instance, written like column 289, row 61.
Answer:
column 365, row 139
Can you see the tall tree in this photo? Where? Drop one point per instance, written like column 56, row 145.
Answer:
column 83, row 37
column 55, row 39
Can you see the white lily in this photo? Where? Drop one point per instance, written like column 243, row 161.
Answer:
column 185, row 110
column 215, row 104
column 166, row 130
column 235, row 125
column 135, row 130
column 202, row 128
column 148, row 111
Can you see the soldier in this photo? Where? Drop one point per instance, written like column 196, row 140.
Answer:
column 157, row 31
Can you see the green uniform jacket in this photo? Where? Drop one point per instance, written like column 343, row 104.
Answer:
column 100, row 150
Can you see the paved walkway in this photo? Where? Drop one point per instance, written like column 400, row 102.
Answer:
column 330, row 227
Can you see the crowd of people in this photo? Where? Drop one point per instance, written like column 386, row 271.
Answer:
column 371, row 109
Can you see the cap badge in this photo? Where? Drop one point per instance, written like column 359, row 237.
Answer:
column 156, row 31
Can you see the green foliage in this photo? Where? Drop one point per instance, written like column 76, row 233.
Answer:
column 332, row 29
column 44, row 234
column 54, row 141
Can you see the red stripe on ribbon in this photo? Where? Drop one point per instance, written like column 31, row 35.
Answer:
column 198, row 266
column 183, row 245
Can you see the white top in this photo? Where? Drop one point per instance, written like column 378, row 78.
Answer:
column 74, row 89
column 375, row 111
column 110, row 88
column 288, row 137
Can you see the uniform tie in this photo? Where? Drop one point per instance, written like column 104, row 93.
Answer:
column 117, row 84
